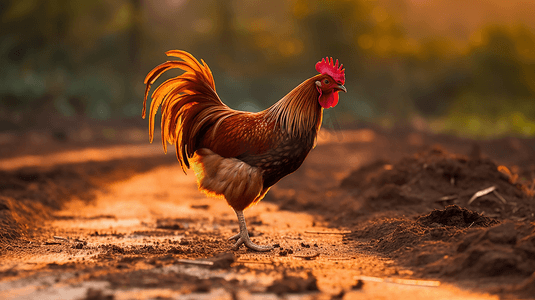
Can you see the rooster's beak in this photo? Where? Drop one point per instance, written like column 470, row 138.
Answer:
column 342, row 88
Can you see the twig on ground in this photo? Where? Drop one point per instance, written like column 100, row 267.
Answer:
column 481, row 194
column 447, row 198
column 328, row 232
column 195, row 262
column 500, row 197
column 429, row 283
column 254, row 262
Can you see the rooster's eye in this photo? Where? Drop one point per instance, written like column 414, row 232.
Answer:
column 326, row 81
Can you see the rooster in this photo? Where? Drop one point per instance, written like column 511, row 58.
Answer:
column 238, row 155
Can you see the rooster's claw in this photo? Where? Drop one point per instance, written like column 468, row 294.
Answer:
column 243, row 237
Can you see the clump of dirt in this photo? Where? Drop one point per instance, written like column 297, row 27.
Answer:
column 223, row 260
column 455, row 216
column 169, row 224
column 434, row 178
column 97, row 294
column 293, row 284
column 504, row 249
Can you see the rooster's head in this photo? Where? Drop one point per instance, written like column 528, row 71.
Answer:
column 330, row 82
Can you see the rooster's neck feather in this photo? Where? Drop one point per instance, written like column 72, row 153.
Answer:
column 298, row 113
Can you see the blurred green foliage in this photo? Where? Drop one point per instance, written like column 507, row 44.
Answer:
column 86, row 59
column 63, row 58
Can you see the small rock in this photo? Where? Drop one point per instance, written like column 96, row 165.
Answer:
column 358, row 285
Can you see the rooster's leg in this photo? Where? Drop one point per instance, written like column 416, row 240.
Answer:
column 243, row 236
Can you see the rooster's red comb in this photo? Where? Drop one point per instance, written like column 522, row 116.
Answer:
column 327, row 67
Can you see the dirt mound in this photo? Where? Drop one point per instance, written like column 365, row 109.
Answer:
column 434, row 178
column 505, row 249
column 525, row 289
column 464, row 239
column 455, row 216
column 454, row 242
column 397, row 235
column 29, row 195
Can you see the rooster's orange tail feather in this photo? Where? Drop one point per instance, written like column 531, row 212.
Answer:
column 189, row 103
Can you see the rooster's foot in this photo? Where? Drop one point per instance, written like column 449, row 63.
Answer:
column 243, row 237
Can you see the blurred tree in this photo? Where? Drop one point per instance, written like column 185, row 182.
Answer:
column 89, row 57
column 330, row 28
column 497, row 67
column 226, row 33
column 369, row 41
column 498, row 97
column 68, row 57
column 134, row 49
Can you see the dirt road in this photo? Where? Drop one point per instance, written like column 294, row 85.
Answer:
column 124, row 222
